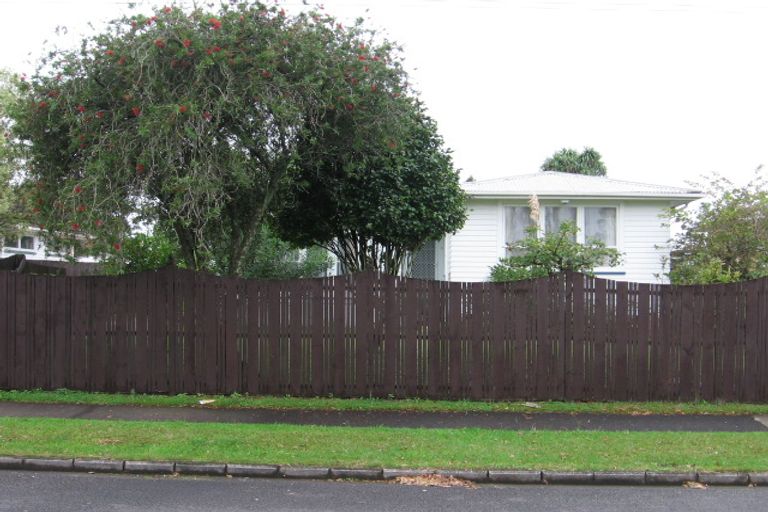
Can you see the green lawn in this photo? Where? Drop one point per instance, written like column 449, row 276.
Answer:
column 270, row 402
column 384, row 447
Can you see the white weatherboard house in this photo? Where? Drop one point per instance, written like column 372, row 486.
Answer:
column 32, row 245
column 625, row 215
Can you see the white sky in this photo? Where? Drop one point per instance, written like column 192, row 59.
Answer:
column 665, row 90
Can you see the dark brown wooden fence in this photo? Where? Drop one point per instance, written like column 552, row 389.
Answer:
column 570, row 337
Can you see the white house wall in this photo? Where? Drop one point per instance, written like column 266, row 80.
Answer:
column 645, row 241
column 642, row 239
column 477, row 246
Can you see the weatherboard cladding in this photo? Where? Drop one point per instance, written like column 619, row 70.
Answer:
column 643, row 233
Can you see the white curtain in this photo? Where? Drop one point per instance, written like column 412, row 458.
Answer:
column 557, row 215
column 600, row 224
column 516, row 220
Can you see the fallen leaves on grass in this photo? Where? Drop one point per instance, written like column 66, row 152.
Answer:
column 434, row 481
column 108, row 442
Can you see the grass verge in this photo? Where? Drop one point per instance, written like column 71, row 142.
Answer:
column 384, row 447
column 363, row 404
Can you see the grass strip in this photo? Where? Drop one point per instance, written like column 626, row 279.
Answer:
column 384, row 447
column 371, row 404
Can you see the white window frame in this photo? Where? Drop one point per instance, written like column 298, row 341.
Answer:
column 17, row 249
column 580, row 219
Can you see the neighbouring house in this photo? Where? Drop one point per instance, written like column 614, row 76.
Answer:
column 32, row 246
column 626, row 215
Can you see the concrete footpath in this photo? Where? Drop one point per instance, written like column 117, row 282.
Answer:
column 398, row 419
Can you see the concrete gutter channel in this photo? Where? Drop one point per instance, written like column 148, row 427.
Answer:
column 480, row 476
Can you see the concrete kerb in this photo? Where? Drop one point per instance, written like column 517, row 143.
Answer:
column 514, row 477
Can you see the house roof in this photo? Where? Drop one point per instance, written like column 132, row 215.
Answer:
column 562, row 184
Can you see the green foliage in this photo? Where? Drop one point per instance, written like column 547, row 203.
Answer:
column 372, row 210
column 142, row 252
column 193, row 120
column 272, row 258
column 268, row 257
column 12, row 207
column 551, row 254
column 588, row 162
column 725, row 239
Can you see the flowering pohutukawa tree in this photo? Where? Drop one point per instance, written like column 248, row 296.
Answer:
column 193, row 121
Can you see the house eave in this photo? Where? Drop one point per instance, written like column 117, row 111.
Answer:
column 678, row 198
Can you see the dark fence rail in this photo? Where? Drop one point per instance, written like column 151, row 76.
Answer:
column 569, row 337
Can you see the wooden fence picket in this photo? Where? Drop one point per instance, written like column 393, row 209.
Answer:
column 568, row 337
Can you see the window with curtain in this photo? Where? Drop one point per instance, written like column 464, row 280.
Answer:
column 600, row 224
column 27, row 242
column 555, row 216
column 516, row 220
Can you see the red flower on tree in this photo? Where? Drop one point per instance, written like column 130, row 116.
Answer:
column 80, row 108
column 42, row 104
column 182, row 109
column 167, row 10
column 75, row 226
column 361, row 57
column 77, row 189
column 136, row 111
column 187, row 43
column 215, row 23
column 117, row 246
column 139, row 168
column 159, row 43
column 207, row 116
column 121, row 61
column 350, row 106
column 109, row 52
column 100, row 114
column 98, row 223
column 81, row 208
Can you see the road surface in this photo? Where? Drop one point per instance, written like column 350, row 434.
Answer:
column 22, row 491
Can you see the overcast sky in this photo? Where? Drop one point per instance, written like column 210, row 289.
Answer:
column 665, row 90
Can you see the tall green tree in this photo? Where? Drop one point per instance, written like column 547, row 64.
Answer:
column 724, row 239
column 588, row 162
column 371, row 211
column 12, row 207
column 194, row 120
